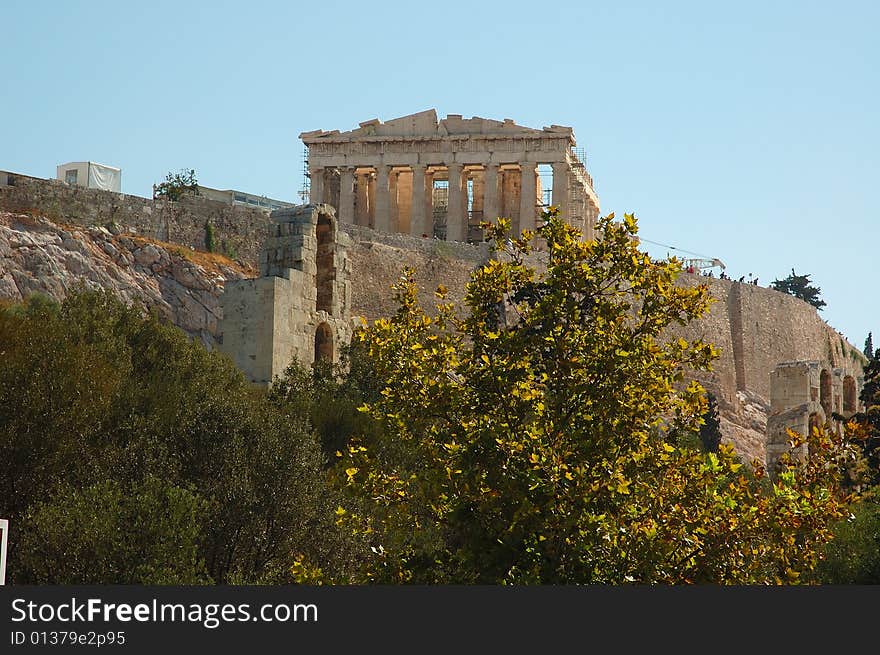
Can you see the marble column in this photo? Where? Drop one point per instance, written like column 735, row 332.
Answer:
column 346, row 195
column 382, row 215
column 528, row 196
column 560, row 189
column 393, row 205
column 490, row 193
column 363, row 205
column 429, row 204
column 456, row 221
column 417, row 222
column 316, row 185
column 371, row 194
column 592, row 215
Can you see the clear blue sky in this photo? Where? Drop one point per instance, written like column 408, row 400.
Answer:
column 746, row 131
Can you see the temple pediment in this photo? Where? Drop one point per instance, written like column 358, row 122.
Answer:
column 424, row 124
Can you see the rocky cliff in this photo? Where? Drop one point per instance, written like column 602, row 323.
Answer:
column 183, row 285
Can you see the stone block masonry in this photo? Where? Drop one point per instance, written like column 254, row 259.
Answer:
column 299, row 307
column 183, row 222
column 767, row 342
column 806, row 395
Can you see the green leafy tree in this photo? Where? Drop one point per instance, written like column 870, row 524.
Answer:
column 330, row 395
column 103, row 407
column 853, row 556
column 176, row 184
column 869, row 346
column 519, row 435
column 228, row 248
column 706, row 438
column 799, row 286
column 147, row 533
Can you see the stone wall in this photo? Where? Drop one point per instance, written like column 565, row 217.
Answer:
column 795, row 405
column 378, row 259
column 757, row 328
column 183, row 222
column 298, row 309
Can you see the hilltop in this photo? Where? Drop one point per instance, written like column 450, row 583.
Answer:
column 53, row 237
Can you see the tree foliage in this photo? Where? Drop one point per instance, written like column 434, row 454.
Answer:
column 520, row 439
column 329, row 397
column 853, row 556
column 870, row 417
column 799, row 286
column 710, row 430
column 121, row 439
column 176, row 184
column 145, row 533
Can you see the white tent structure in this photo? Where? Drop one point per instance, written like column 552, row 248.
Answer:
column 91, row 175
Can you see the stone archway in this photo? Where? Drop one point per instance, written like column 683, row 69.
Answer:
column 825, row 392
column 323, row 343
column 850, row 396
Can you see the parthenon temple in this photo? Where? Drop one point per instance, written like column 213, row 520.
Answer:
column 425, row 177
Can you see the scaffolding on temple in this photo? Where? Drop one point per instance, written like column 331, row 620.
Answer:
column 306, row 184
column 440, row 203
column 577, row 200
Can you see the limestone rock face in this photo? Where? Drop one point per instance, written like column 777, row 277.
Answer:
column 39, row 256
column 744, row 425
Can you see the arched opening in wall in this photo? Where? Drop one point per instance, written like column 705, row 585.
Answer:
column 849, row 394
column 323, row 343
column 326, row 273
column 825, row 391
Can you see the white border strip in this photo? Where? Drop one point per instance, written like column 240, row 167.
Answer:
column 4, row 529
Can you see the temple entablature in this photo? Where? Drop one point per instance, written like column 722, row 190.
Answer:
column 425, row 177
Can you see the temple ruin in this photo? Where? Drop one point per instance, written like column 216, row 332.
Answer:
column 428, row 178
